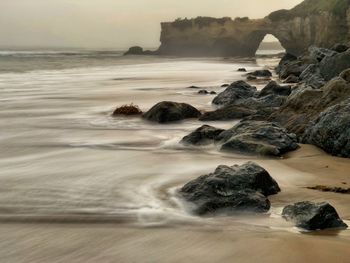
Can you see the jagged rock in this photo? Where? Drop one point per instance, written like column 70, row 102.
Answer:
column 313, row 216
column 272, row 88
column 318, row 54
column 295, row 67
column 230, row 112
column 168, row 111
column 305, row 104
column 312, row 77
column 202, row 136
column 332, row 66
column 286, row 59
column 331, row 130
column 340, row 48
column 237, row 90
column 291, row 79
column 231, row 189
column 263, row 73
column 258, row 137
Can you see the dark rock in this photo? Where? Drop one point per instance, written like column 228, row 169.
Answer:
column 312, row 77
column 331, row 130
column 225, row 85
column 213, row 93
column 231, row 189
column 203, row 92
column 250, row 78
column 274, row 89
column 260, row 103
column 291, row 79
column 332, row 66
column 237, row 90
column 258, row 137
column 230, row 112
column 323, row 188
column 202, row 136
column 127, row 110
column 242, row 70
column 345, row 75
column 286, row 59
column 261, row 73
column 136, row 50
column 340, row 48
column 313, row 216
column 193, row 87
column 318, row 54
column 295, row 68
column 167, row 111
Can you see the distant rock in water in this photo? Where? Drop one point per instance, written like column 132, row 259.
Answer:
column 136, row 50
column 258, row 137
column 127, row 110
column 263, row 73
column 242, row 70
column 231, row 189
column 167, row 111
column 313, row 216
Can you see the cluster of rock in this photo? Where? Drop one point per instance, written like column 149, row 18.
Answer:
column 245, row 188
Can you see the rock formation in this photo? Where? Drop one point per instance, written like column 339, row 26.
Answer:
column 321, row 23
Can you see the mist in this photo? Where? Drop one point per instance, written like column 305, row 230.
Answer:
column 115, row 24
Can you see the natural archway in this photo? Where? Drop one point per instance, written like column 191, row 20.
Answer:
column 270, row 45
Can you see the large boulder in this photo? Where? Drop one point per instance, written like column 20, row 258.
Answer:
column 202, row 136
column 331, row 130
column 230, row 112
column 273, row 88
column 332, row 66
column 237, row 90
column 231, row 189
column 168, row 111
column 318, row 54
column 313, row 216
column 312, row 77
column 258, row 137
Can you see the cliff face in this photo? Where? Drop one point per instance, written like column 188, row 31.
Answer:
column 314, row 22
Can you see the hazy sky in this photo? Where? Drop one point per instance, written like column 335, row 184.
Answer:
column 111, row 23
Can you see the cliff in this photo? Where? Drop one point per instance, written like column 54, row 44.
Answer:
column 313, row 22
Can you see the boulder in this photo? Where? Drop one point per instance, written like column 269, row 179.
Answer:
column 263, row 73
column 331, row 130
column 168, row 111
column 312, row 77
column 231, row 189
column 237, row 90
column 242, row 70
column 291, row 79
column 258, row 137
column 251, row 78
column 136, row 50
column 340, row 48
column 203, row 92
column 230, row 112
column 332, row 66
column 318, row 54
column 202, row 136
column 313, row 216
column 272, row 88
column 295, row 67
column 287, row 58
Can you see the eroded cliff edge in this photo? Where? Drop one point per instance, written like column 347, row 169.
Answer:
column 313, row 22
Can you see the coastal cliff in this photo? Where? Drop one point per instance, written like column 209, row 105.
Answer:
column 313, row 22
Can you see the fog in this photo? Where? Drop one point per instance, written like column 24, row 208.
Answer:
column 110, row 23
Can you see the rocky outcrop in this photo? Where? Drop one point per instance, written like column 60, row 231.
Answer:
column 321, row 23
column 168, row 111
column 136, row 50
column 231, row 189
column 313, row 216
column 331, row 130
column 257, row 137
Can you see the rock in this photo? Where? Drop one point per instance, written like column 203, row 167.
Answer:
column 345, row 75
column 237, row 90
column 313, row 216
column 258, row 137
column 331, row 130
column 323, row 188
column 136, row 50
column 231, row 189
column 261, row 73
column 318, row 54
column 230, row 112
column 305, row 104
column 295, row 67
column 127, row 110
column 250, row 78
column 272, row 88
column 260, row 103
column 225, row 85
column 291, row 79
column 286, row 59
column 193, row 87
column 202, row 136
column 212, row 93
column 203, row 92
column 340, row 48
column 167, row 111
column 242, row 70
column 312, row 77
column 332, row 66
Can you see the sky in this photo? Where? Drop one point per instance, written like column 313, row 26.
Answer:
column 116, row 24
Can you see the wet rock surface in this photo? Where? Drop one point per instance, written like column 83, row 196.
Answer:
column 202, row 136
column 313, row 216
column 231, row 189
column 167, row 111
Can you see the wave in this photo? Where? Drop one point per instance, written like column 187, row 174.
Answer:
column 53, row 53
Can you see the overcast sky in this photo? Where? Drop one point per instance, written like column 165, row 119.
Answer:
column 111, row 23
